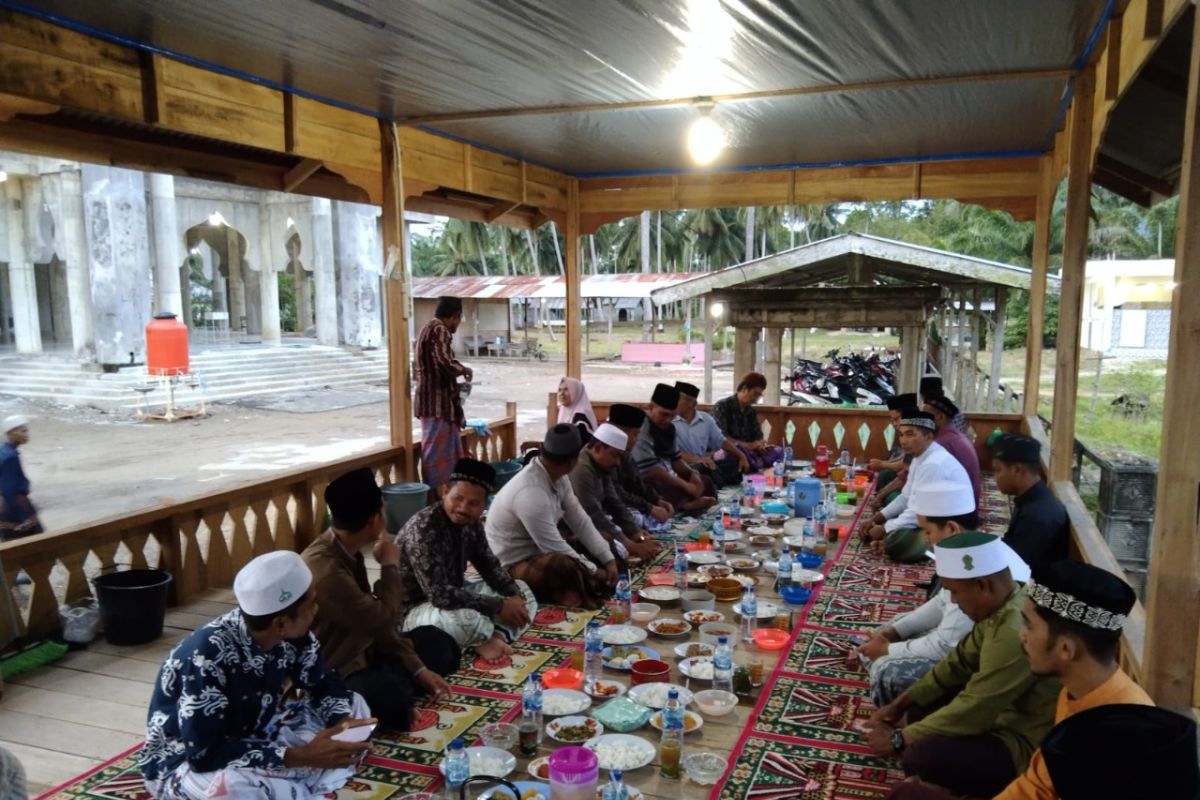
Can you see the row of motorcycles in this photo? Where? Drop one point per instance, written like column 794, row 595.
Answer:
column 854, row 379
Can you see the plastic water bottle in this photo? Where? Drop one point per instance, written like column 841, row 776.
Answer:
column 681, row 567
column 787, row 456
column 779, row 479
column 624, row 597
column 844, row 458
column 723, row 665
column 820, row 519
column 531, row 702
column 670, row 751
column 784, row 572
column 457, row 767
column 749, row 614
column 593, row 654
column 718, row 538
column 615, row 788
column 808, row 541
column 751, row 494
column 735, row 513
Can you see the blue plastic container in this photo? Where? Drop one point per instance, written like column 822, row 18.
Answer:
column 807, row 497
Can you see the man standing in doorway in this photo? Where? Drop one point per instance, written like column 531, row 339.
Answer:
column 438, row 405
column 18, row 517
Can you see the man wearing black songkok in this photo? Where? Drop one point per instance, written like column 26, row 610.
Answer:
column 1038, row 528
column 660, row 461
column 639, row 496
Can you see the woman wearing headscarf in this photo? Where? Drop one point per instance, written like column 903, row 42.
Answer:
column 574, row 408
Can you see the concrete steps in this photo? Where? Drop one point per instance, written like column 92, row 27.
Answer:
column 224, row 375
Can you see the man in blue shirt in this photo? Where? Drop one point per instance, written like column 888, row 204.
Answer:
column 18, row 517
column 705, row 448
column 220, row 723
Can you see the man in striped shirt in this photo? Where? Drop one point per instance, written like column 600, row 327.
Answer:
column 438, row 405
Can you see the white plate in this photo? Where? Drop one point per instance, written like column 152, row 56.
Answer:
column 476, row 754
column 743, row 564
column 703, row 557
column 744, row 580
column 656, row 721
column 555, row 726
column 794, row 542
column 575, row 702
column 654, row 626
column 641, row 694
column 700, row 616
column 688, row 667
column 622, row 634
column 769, row 564
column 659, row 593
column 620, row 689
column 731, row 535
column 763, row 530
column 807, row 576
column 502, row 793
column 634, row 743
column 681, row 650
column 646, row 652
column 765, row 610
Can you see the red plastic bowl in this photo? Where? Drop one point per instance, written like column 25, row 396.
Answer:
column 692, row 547
column 771, row 638
column 649, row 670
column 562, row 678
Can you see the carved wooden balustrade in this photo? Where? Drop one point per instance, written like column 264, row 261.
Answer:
column 203, row 542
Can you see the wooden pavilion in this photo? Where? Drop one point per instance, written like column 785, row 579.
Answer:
column 518, row 113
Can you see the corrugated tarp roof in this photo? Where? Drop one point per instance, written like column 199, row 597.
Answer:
column 500, row 287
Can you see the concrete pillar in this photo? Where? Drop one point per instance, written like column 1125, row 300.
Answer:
column 358, row 255
column 5, row 296
column 74, row 251
column 271, row 254
column 303, row 290
column 745, row 343
column 167, row 294
column 237, row 284
column 772, row 356
column 324, row 279
column 22, row 282
column 118, row 247
column 912, row 358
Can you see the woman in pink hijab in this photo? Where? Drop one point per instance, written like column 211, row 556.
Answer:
column 574, row 408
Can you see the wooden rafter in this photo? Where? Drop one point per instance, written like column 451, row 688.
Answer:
column 300, row 173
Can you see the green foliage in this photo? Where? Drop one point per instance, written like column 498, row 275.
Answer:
column 287, row 302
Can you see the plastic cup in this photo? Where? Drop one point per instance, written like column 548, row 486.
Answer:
column 527, row 731
column 574, row 773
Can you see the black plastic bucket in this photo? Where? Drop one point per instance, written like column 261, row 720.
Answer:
column 133, row 604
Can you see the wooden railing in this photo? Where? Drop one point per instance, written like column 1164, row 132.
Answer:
column 1088, row 545
column 866, row 433
column 203, row 542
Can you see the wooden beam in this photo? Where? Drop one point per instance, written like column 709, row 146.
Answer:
column 300, row 173
column 289, row 122
column 1172, row 641
column 574, row 307
column 1153, row 27
column 1112, row 61
column 153, row 90
column 395, row 281
column 1037, row 289
column 998, row 316
column 499, row 210
column 1075, row 239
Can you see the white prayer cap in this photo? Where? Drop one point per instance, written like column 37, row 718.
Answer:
column 15, row 421
column 974, row 554
column 612, row 436
column 942, row 499
column 271, row 582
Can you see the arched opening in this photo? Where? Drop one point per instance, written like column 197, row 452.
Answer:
column 213, row 277
column 295, row 288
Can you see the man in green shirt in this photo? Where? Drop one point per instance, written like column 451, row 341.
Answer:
column 972, row 722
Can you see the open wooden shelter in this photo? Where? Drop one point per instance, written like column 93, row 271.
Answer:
column 521, row 112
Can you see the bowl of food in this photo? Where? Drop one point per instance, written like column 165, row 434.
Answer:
column 734, row 547
column 623, row 657
column 704, row 768
column 502, row 735
column 669, row 628
column 701, row 616
column 605, row 689
column 711, row 631
column 644, row 612
column 762, row 539
column 806, row 578
column 743, row 564
column 691, row 721
column 776, row 519
column 717, row 570
column 649, row 670
column 771, row 638
column 663, row 596
column 725, row 589
column 697, row 579
column 562, row 678
column 716, row 702
column 703, row 557
column 699, row 600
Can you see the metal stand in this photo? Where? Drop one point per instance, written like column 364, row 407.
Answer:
column 170, row 413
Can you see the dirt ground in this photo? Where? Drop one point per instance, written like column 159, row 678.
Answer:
column 85, row 465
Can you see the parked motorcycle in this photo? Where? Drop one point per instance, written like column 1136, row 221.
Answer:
column 850, row 379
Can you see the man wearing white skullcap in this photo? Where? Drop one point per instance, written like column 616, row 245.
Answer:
column 218, row 722
column 971, row 723
column 910, row 645
column 18, row 517
column 594, row 482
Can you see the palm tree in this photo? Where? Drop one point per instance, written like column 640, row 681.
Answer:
column 717, row 235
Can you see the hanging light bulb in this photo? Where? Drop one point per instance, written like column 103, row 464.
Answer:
column 705, row 138
column 718, row 310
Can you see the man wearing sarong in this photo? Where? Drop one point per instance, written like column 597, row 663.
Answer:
column 660, row 461
column 593, row 481
column 438, row 405
column 359, row 626
column 523, row 529
column 705, row 447
column 220, row 723
column 637, row 495
column 971, row 723
column 485, row 613
column 737, row 419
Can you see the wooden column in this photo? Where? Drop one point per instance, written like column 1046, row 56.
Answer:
column 1037, row 290
column 911, row 356
column 772, row 355
column 571, row 234
column 1075, row 236
column 395, row 285
column 745, row 343
column 998, row 318
column 710, row 347
column 1172, row 642
column 972, row 399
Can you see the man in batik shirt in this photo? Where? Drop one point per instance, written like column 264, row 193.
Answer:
column 437, row 402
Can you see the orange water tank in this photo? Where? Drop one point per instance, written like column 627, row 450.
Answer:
column 166, row 345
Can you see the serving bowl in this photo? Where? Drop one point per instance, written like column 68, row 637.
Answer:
column 699, row 600
column 649, row 670
column 725, row 589
column 711, row 631
column 644, row 612
column 704, row 768
column 716, row 702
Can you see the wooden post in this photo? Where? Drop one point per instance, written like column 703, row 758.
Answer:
column 1037, row 289
column 772, row 354
column 972, row 398
column 1172, row 645
column 710, row 347
column 998, row 320
column 909, row 378
column 1075, row 236
column 395, row 285
column 745, row 342
column 571, row 233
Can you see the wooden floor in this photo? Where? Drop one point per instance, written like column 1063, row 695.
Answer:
column 64, row 719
